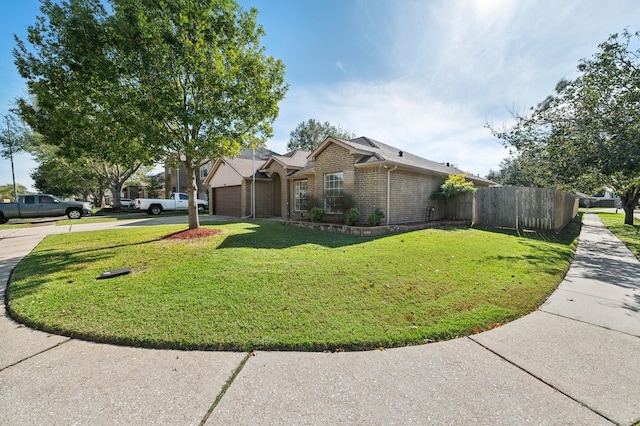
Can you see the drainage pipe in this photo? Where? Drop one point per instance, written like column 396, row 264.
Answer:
column 389, row 191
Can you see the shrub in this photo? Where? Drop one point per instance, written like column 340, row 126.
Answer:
column 375, row 217
column 353, row 216
column 317, row 214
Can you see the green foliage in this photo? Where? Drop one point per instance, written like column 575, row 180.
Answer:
column 15, row 137
column 155, row 185
column 452, row 186
column 64, row 179
column 353, row 216
column 310, row 134
column 520, row 170
column 316, row 214
column 150, row 80
column 82, row 98
column 328, row 290
column 585, row 136
column 6, row 191
column 375, row 217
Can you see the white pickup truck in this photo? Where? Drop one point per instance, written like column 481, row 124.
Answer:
column 177, row 201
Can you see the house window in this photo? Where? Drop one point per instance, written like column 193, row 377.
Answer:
column 204, row 171
column 333, row 192
column 300, row 196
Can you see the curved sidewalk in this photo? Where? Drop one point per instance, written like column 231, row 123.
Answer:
column 574, row 361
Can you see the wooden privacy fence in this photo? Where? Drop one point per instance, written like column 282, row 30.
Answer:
column 518, row 207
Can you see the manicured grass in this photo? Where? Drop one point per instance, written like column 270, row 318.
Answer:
column 266, row 286
column 628, row 234
column 10, row 225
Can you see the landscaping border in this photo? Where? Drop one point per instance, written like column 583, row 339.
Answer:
column 371, row 231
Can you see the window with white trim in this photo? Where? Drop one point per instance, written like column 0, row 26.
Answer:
column 300, row 196
column 333, row 192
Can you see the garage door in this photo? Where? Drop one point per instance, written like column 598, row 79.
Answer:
column 227, row 201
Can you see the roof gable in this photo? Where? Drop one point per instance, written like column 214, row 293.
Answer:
column 296, row 159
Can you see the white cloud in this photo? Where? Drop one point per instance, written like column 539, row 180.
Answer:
column 397, row 113
column 447, row 67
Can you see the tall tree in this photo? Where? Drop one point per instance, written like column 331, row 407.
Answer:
column 201, row 77
column 7, row 190
column 81, row 100
column 309, row 134
column 588, row 132
column 523, row 169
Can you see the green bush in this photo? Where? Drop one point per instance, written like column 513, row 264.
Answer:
column 317, row 214
column 375, row 217
column 353, row 216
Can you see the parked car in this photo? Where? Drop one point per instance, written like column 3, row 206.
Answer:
column 177, row 201
column 127, row 202
column 43, row 205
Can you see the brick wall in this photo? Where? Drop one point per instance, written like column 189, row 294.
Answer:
column 371, row 190
column 409, row 191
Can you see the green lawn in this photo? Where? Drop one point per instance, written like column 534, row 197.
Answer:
column 266, row 286
column 10, row 225
column 628, row 234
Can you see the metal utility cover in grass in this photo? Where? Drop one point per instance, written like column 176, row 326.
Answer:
column 113, row 274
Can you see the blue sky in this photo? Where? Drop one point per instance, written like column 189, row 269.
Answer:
column 420, row 75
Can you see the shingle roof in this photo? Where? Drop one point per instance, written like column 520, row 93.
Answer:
column 244, row 162
column 296, row 159
column 371, row 152
column 379, row 152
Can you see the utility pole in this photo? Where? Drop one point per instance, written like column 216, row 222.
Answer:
column 9, row 149
column 13, row 172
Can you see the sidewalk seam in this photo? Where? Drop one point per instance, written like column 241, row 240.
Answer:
column 541, row 380
column 36, row 354
column 226, row 386
column 586, row 322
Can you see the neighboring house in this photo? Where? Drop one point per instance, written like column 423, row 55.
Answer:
column 372, row 174
column 230, row 181
column 142, row 191
column 176, row 180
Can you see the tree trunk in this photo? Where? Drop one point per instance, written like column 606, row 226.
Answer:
column 192, row 192
column 629, row 202
column 116, row 189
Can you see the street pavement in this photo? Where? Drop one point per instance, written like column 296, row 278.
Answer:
column 576, row 360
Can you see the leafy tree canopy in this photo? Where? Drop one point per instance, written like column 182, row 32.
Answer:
column 183, row 80
column 310, row 134
column 587, row 135
column 15, row 137
column 6, row 191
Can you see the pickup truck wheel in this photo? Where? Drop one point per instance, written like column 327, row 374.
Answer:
column 201, row 208
column 155, row 209
column 74, row 214
column 3, row 219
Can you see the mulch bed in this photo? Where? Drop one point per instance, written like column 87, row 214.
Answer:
column 190, row 234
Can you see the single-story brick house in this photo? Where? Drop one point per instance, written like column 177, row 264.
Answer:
column 368, row 173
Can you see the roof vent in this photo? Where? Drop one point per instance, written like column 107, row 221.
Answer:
column 448, row 164
column 400, row 153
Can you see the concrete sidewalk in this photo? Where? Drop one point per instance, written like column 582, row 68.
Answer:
column 575, row 361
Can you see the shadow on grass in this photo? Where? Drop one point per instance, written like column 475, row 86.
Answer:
column 274, row 235
column 46, row 262
column 544, row 254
